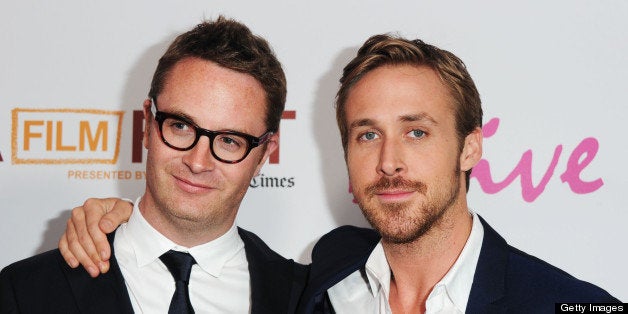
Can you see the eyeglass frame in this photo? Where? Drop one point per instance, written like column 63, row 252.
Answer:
column 251, row 140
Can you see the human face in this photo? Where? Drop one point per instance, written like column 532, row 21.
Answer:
column 404, row 158
column 192, row 189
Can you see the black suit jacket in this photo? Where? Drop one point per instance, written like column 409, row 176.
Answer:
column 46, row 284
column 506, row 280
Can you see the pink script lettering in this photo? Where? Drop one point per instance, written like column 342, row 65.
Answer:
column 579, row 159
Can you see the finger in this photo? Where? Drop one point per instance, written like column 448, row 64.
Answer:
column 66, row 253
column 94, row 210
column 77, row 250
column 84, row 237
column 119, row 213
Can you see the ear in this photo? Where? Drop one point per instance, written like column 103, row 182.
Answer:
column 147, row 121
column 472, row 150
column 271, row 145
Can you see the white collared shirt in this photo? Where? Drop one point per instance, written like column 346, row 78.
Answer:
column 219, row 282
column 367, row 290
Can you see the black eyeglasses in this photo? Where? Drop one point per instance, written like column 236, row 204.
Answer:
column 182, row 134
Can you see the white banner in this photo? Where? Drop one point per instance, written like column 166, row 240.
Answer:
column 552, row 76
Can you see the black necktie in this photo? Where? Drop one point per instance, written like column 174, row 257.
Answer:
column 180, row 266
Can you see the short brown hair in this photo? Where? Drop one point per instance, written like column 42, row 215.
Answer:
column 229, row 44
column 380, row 50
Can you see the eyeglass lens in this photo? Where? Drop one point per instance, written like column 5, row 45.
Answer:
column 182, row 135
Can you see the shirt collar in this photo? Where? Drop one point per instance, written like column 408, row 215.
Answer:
column 149, row 244
column 457, row 281
column 378, row 271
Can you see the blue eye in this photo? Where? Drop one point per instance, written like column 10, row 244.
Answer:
column 368, row 136
column 416, row 133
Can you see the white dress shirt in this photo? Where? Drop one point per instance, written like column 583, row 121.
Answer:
column 368, row 290
column 219, row 282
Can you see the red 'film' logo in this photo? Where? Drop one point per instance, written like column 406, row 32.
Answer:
column 65, row 136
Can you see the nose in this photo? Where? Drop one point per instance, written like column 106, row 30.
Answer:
column 391, row 161
column 199, row 158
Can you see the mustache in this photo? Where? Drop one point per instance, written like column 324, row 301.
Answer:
column 385, row 183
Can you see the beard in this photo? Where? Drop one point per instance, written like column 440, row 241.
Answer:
column 405, row 222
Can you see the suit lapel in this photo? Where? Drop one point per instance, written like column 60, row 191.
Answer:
column 276, row 283
column 105, row 294
column 489, row 280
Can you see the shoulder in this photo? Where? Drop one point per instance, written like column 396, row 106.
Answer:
column 257, row 251
column 42, row 265
column 529, row 273
column 44, row 283
column 35, row 284
column 341, row 252
column 527, row 279
column 344, row 242
column 253, row 243
column 367, row 235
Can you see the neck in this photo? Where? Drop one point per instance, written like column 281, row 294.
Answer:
column 419, row 265
column 180, row 230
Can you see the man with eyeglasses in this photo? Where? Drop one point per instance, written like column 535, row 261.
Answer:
column 212, row 115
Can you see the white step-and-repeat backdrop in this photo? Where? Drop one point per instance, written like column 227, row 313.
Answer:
column 553, row 76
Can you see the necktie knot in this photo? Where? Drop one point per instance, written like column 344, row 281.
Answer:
column 179, row 264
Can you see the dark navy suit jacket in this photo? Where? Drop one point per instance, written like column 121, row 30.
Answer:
column 506, row 280
column 46, row 284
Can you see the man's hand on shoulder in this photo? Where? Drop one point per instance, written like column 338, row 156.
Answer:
column 85, row 239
